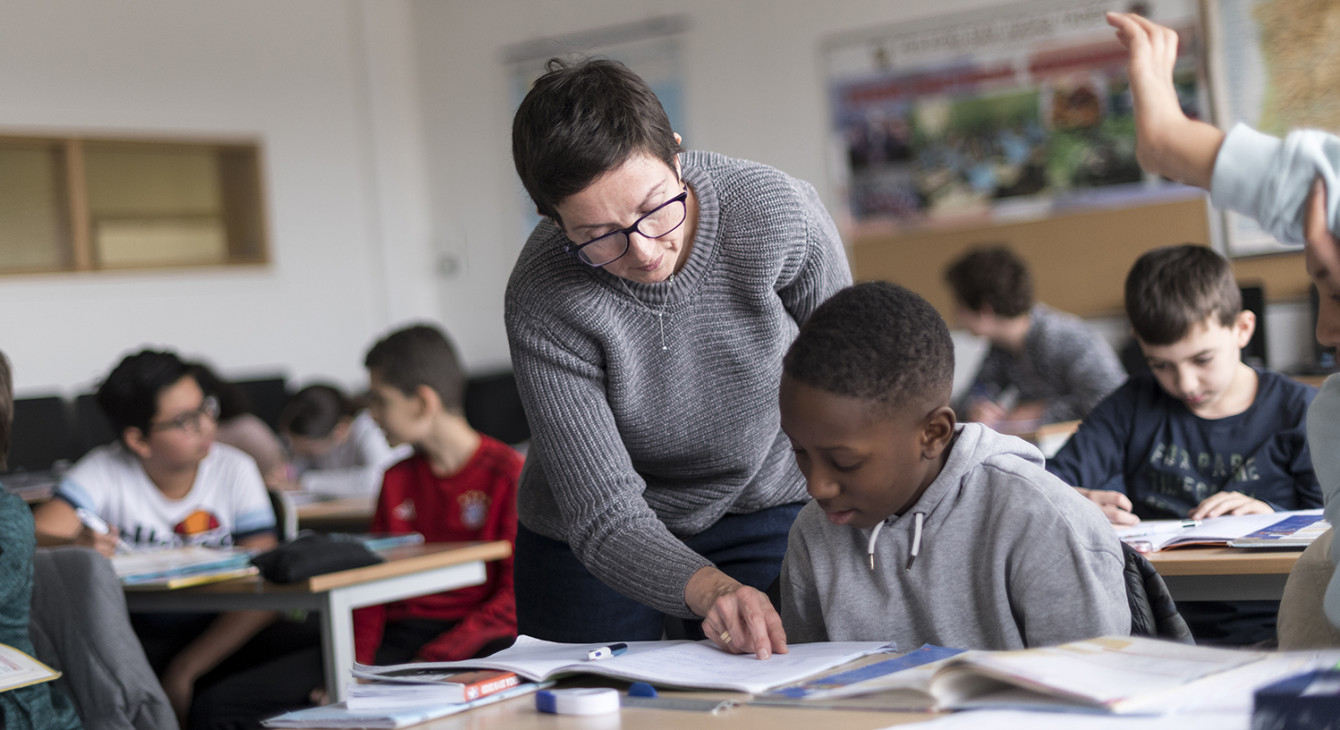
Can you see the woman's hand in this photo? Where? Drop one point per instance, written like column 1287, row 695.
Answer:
column 740, row 619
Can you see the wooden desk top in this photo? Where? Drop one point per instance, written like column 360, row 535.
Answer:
column 519, row 713
column 343, row 509
column 1223, row 561
column 401, row 560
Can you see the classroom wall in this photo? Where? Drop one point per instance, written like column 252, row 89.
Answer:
column 385, row 124
column 326, row 87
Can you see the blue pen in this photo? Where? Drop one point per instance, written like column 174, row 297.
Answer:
column 605, row 652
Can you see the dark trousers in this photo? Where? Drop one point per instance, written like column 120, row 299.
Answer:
column 558, row 599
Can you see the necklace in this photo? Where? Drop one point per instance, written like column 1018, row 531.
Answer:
column 660, row 314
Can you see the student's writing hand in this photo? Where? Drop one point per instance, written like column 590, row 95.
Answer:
column 1229, row 503
column 739, row 619
column 103, row 542
column 1115, row 505
column 1166, row 141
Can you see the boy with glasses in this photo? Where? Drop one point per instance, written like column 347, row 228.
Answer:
column 166, row 483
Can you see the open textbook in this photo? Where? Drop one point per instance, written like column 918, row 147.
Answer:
column 1275, row 529
column 17, row 669
column 692, row 664
column 1117, row 674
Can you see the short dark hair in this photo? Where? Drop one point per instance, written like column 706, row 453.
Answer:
column 992, row 275
column 129, row 395
column 314, row 411
column 875, row 341
column 6, row 409
column 420, row 355
column 233, row 401
column 1169, row 290
column 580, row 120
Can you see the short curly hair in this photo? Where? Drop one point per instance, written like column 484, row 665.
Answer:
column 992, row 275
column 878, row 342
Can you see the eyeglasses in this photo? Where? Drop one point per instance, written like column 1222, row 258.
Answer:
column 190, row 421
column 610, row 247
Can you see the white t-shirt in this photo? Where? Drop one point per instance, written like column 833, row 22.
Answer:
column 227, row 503
column 354, row 467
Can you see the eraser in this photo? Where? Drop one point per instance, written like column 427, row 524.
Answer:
column 583, row 701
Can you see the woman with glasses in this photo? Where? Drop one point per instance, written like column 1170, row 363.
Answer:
column 647, row 316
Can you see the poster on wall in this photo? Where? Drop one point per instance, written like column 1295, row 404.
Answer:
column 1014, row 112
column 1276, row 68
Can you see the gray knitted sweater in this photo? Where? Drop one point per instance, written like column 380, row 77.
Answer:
column 653, row 407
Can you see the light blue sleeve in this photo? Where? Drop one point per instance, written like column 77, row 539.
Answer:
column 1323, row 436
column 1268, row 179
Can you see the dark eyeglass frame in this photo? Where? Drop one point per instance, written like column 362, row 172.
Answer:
column 575, row 248
column 190, row 420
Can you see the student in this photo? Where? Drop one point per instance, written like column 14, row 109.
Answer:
column 1201, row 435
column 1291, row 187
column 923, row 530
column 337, row 448
column 458, row 485
column 38, row 706
column 165, row 482
column 1044, row 366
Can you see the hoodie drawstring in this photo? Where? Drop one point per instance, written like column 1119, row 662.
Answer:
column 916, row 539
column 870, row 546
column 918, row 519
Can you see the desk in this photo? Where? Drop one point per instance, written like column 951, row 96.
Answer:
column 519, row 713
column 411, row 570
column 1224, row 574
column 347, row 514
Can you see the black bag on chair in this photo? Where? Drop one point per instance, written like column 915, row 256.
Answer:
column 312, row 554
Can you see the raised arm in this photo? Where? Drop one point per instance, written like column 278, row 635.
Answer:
column 1167, row 142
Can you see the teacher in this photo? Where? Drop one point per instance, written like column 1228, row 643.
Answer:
column 647, row 317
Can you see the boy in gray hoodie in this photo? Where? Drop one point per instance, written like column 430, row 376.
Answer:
column 923, row 530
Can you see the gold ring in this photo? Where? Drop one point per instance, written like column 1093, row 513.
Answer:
column 725, row 637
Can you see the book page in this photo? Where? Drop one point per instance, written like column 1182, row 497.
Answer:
column 20, row 670
column 1105, row 671
column 678, row 663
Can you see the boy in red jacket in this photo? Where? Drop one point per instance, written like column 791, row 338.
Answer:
column 458, row 485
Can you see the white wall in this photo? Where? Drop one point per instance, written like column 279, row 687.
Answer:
column 385, row 126
column 327, row 88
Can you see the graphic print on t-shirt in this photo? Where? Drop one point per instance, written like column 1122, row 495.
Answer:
column 474, row 506
column 202, row 528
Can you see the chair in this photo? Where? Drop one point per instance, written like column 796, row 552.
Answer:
column 91, row 426
column 286, row 514
column 493, row 407
column 43, row 435
column 1302, row 621
column 79, row 625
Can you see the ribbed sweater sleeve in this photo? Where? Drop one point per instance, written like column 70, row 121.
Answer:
column 653, row 408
